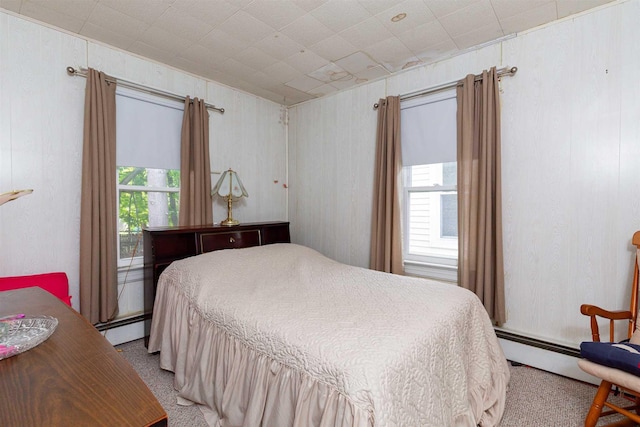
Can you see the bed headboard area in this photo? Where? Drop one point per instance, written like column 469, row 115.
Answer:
column 163, row 245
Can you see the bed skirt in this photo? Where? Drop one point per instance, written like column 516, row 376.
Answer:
column 251, row 389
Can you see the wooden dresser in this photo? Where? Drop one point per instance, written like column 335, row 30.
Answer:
column 163, row 245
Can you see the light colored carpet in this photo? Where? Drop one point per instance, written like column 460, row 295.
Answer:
column 535, row 398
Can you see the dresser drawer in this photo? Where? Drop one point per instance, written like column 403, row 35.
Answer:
column 229, row 240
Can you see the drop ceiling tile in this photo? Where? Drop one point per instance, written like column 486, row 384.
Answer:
column 236, row 68
column 145, row 11
column 179, row 23
column 151, row 52
column 281, row 72
column 279, row 46
column 356, row 62
column 12, row 5
column 255, row 58
column 204, row 11
column 116, row 22
column 478, row 36
column 339, row 15
column 529, row 19
column 438, row 51
column 419, row 38
column 507, row 8
column 264, row 80
column 104, row 35
column 391, row 53
column 239, row 3
column 306, row 61
column 372, row 73
column 442, row 8
column 334, row 47
column 304, row 83
column 307, row 30
column 245, row 27
column 366, row 33
column 275, row 13
column 570, row 7
column 323, row 90
column 199, row 54
column 329, row 73
column 309, row 5
column 80, row 9
column 52, row 17
column 223, row 44
column 417, row 14
column 293, row 96
column 460, row 21
column 344, row 83
column 161, row 39
column 376, row 6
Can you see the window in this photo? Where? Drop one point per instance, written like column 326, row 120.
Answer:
column 148, row 132
column 430, row 211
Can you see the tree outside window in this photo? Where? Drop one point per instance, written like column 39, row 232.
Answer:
column 147, row 197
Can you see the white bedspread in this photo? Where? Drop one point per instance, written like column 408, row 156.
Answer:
column 280, row 335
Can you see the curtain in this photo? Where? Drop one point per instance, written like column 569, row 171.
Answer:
column 480, row 258
column 195, row 169
column 98, row 204
column 386, row 237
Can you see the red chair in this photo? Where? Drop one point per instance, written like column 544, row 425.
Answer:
column 55, row 283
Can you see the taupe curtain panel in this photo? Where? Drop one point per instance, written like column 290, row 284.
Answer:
column 98, row 205
column 480, row 257
column 195, row 167
column 386, row 224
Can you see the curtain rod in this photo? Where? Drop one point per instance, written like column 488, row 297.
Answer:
column 82, row 72
column 506, row 71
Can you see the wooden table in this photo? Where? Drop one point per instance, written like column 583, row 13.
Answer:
column 74, row 378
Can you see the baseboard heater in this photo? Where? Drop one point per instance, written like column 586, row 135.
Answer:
column 534, row 342
column 119, row 323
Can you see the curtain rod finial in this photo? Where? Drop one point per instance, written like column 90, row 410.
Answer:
column 71, row 71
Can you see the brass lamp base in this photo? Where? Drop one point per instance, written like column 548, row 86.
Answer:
column 230, row 221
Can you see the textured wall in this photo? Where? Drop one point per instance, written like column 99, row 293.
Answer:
column 571, row 197
column 41, row 120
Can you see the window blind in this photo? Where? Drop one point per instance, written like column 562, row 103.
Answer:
column 428, row 129
column 148, row 130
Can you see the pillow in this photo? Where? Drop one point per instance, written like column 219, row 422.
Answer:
column 624, row 356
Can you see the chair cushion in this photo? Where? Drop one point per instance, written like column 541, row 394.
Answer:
column 623, row 356
column 56, row 283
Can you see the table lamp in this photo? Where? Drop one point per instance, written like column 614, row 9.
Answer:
column 229, row 187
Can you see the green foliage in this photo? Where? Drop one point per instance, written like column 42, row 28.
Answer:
column 134, row 205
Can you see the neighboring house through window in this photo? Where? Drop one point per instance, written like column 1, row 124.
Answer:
column 430, row 211
column 148, row 162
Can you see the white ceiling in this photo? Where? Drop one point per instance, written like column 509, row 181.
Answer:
column 290, row 51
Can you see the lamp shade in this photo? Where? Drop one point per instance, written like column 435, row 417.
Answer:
column 229, row 184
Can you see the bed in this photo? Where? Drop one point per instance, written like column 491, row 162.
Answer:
column 279, row 335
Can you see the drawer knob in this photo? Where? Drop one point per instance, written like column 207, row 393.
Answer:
column 232, row 240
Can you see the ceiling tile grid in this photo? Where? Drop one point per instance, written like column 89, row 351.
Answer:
column 290, row 51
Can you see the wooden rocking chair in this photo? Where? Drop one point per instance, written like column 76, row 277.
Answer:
column 610, row 377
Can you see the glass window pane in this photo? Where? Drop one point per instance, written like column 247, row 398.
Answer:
column 149, row 177
column 138, row 209
column 449, row 215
